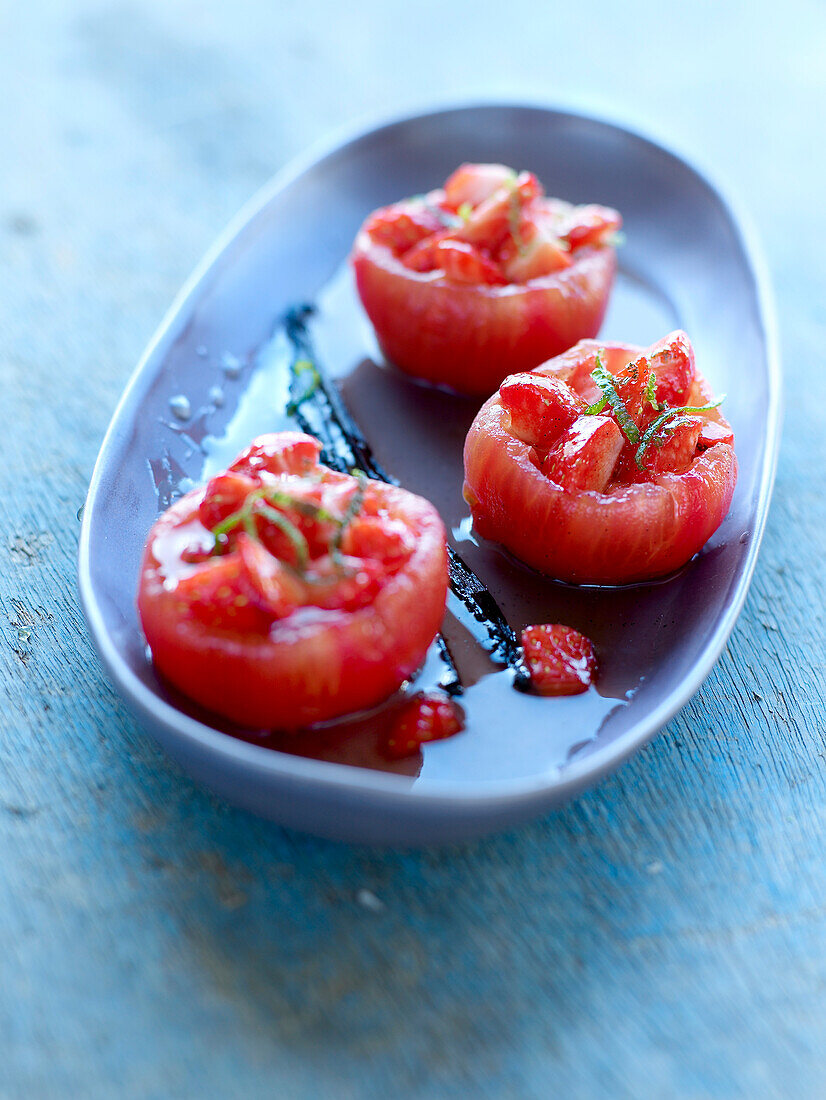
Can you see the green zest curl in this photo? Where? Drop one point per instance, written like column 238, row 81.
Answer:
column 605, row 380
column 353, row 509
column 257, row 504
column 651, row 392
column 266, row 501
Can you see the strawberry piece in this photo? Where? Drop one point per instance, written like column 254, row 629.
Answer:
column 473, row 183
column 278, row 543
column 463, row 263
column 271, row 585
column 585, row 455
column 561, row 661
column 429, row 716
column 224, row 495
column 278, row 453
column 494, row 219
column 403, row 225
column 540, row 408
column 631, row 383
column 589, row 225
column 676, row 453
column 424, row 256
column 533, row 250
column 344, row 584
column 672, row 361
column 714, row 431
column 217, row 595
column 379, row 538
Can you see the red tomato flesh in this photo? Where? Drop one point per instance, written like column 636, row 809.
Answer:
column 579, row 501
column 284, row 593
column 483, row 278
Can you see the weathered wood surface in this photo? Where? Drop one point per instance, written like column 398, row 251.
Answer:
column 665, row 934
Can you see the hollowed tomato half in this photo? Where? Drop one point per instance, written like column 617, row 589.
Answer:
column 605, row 490
column 483, row 277
column 284, row 593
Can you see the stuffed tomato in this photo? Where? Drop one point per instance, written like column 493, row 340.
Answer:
column 285, row 593
column 608, row 464
column 483, row 277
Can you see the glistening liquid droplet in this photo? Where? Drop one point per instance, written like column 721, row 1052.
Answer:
column 180, row 407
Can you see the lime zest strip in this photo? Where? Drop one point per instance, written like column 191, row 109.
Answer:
column 606, row 382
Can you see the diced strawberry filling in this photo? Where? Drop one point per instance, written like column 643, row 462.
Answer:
column 675, row 452
column 224, row 495
column 713, row 432
column 379, row 539
column 345, row 582
column 272, row 585
column 424, row 255
column 633, row 431
column 672, row 361
column 489, row 226
column 290, row 533
column 500, row 214
column 463, row 263
column 588, row 225
column 216, row 594
column 533, row 250
column 278, row 453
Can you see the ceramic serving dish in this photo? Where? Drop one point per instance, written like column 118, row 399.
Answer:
column 215, row 375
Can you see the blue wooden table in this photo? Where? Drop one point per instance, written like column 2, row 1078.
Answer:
column 665, row 934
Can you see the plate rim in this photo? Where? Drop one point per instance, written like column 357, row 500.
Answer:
column 557, row 783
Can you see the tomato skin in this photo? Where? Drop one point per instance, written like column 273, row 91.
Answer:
column 630, row 533
column 469, row 337
column 311, row 665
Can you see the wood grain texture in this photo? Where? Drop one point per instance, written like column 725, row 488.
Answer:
column 665, row 934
